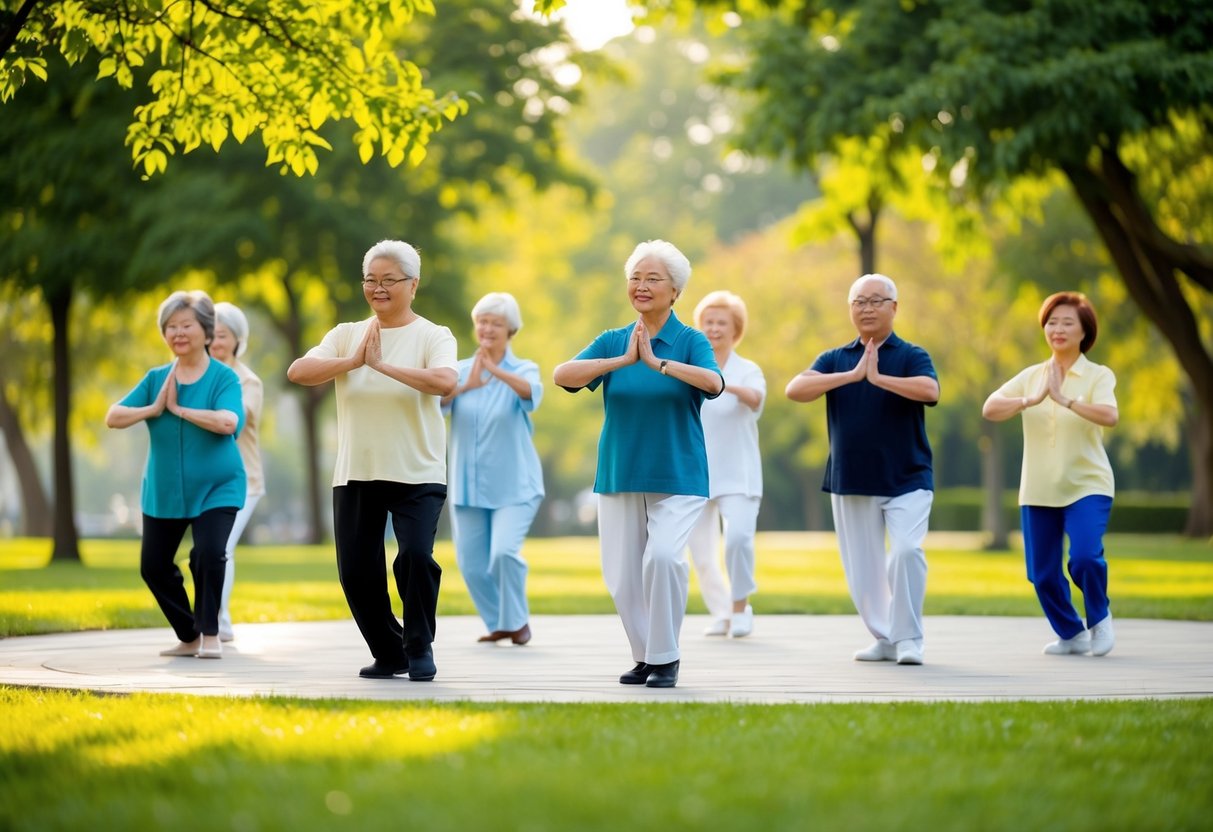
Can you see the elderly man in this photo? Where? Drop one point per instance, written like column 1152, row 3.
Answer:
column 879, row 470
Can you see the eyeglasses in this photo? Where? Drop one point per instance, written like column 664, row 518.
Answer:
column 875, row 303
column 386, row 283
column 646, row 282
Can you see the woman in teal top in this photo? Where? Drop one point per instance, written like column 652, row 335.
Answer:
column 652, row 476
column 194, row 410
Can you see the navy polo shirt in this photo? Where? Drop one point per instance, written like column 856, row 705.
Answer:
column 652, row 437
column 878, row 439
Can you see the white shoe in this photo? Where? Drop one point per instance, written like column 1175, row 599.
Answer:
column 183, row 648
column 212, row 648
column 1076, row 646
column 226, row 635
column 743, row 623
column 878, row 651
column 718, row 627
column 909, row 652
column 1102, row 637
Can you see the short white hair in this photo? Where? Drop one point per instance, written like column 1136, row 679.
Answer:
column 398, row 251
column 502, row 304
column 676, row 263
column 890, row 287
column 231, row 317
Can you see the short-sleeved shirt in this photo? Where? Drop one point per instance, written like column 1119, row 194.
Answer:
column 248, row 443
column 493, row 457
column 387, row 430
column 652, row 436
column 730, row 430
column 878, row 439
column 1063, row 454
column 191, row 469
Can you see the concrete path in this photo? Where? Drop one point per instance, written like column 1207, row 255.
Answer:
column 789, row 658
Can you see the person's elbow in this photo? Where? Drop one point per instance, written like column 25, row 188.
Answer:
column 111, row 418
column 446, row 383
column 796, row 392
column 294, row 373
column 228, row 422
column 562, row 376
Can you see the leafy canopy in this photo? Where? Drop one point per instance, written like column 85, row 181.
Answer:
column 219, row 69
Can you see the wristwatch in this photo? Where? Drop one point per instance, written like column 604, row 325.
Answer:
column 661, row 367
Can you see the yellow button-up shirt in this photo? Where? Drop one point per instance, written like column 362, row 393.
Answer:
column 1063, row 454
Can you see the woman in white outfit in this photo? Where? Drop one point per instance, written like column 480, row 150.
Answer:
column 231, row 342
column 730, row 429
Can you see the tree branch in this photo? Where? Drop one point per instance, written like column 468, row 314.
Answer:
column 13, row 27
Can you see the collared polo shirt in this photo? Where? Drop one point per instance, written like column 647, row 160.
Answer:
column 652, row 436
column 493, row 458
column 878, row 439
column 1064, row 458
column 387, row 430
column 191, row 469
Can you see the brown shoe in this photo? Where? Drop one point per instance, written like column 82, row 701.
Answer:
column 521, row 635
column 496, row 635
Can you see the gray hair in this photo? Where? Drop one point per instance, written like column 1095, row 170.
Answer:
column 676, row 263
column 890, row 287
column 231, row 317
column 499, row 303
column 197, row 300
column 399, row 252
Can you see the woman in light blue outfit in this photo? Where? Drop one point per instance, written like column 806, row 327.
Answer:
column 495, row 476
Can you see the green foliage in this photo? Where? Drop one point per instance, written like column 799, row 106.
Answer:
column 214, row 70
column 146, row 761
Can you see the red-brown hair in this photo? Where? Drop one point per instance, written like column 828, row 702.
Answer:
column 1086, row 315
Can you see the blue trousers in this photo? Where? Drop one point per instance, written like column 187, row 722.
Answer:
column 1084, row 522
column 488, row 549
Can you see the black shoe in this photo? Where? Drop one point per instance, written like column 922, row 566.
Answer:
column 637, row 675
column 663, row 675
column 384, row 668
column 422, row 668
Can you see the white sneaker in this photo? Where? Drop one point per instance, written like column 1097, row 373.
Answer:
column 226, row 635
column 1102, row 637
column 743, row 623
column 1078, row 645
column 878, row 651
column 909, row 652
column 718, row 627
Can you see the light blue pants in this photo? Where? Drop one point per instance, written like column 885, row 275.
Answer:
column 1084, row 522
column 488, row 549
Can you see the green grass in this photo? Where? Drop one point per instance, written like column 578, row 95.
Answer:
column 1151, row 577
column 73, row 760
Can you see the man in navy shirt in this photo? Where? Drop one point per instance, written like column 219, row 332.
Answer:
column 879, row 470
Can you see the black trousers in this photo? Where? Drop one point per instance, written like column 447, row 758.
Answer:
column 208, row 558
column 360, row 513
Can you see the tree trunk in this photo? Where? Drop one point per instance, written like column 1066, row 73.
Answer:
column 35, row 509
column 313, row 397
column 866, row 234
column 66, row 538
column 993, row 521
column 1150, row 264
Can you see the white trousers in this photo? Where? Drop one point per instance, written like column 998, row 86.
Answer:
column 643, row 537
column 887, row 585
column 739, row 514
column 229, row 571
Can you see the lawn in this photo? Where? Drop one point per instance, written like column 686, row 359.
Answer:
column 81, row 761
column 1151, row 577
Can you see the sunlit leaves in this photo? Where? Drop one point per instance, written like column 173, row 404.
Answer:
column 228, row 69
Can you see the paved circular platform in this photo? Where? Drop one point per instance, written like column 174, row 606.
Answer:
column 790, row 658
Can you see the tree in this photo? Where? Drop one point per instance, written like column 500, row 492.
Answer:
column 1012, row 89
column 219, row 69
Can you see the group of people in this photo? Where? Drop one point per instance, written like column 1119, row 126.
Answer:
column 678, row 462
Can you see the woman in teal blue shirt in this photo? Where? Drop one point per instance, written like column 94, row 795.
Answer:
column 194, row 410
column 652, row 476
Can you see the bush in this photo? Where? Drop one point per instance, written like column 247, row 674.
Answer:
column 1143, row 512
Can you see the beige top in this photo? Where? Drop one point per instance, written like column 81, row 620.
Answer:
column 1063, row 454
column 387, row 430
column 247, row 441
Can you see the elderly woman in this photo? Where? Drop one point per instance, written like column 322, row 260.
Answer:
column 730, row 430
column 194, row 478
column 652, row 476
column 229, row 343
column 391, row 372
column 496, row 478
column 1066, row 486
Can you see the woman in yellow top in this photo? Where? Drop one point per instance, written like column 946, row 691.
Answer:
column 1066, row 486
